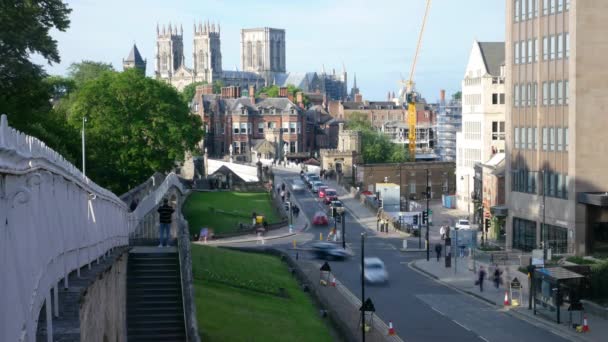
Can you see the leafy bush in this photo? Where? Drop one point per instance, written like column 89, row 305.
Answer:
column 599, row 281
column 580, row 260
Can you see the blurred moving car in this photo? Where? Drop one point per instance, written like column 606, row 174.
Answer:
column 375, row 271
column 330, row 195
column 321, row 191
column 315, row 186
column 298, row 185
column 463, row 224
column 320, row 219
column 312, row 178
column 328, row 251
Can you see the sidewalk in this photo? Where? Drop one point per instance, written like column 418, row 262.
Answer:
column 462, row 279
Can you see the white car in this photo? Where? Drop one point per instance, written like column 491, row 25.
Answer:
column 298, row 185
column 463, row 224
column 375, row 272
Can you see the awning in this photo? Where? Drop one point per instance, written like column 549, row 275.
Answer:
column 499, row 210
column 599, row 199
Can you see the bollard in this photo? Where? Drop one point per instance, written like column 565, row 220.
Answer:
column 320, row 236
column 294, row 244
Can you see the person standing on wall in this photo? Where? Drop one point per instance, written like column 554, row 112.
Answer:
column 165, row 211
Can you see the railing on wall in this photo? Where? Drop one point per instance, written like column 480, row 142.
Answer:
column 53, row 221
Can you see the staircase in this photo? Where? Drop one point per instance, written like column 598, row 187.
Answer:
column 154, row 296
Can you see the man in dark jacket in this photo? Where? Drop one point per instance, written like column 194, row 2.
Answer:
column 165, row 211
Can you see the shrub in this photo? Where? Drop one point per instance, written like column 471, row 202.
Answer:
column 580, row 260
column 599, row 281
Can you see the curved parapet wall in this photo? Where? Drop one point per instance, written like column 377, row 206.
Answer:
column 53, row 221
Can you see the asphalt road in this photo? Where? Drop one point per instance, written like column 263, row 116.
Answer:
column 420, row 308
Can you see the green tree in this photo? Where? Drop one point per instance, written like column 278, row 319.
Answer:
column 375, row 146
column 135, row 126
column 85, row 71
column 457, row 96
column 217, row 86
column 24, row 30
column 189, row 90
column 59, row 87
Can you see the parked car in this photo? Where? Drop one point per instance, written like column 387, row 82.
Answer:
column 315, row 186
column 463, row 224
column 328, row 251
column 330, row 195
column 320, row 219
column 375, row 271
column 298, row 185
column 321, row 191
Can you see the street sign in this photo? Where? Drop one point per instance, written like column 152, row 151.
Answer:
column 515, row 284
column 537, row 257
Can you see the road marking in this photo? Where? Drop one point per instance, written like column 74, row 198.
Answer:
column 483, row 338
column 462, row 325
column 441, row 313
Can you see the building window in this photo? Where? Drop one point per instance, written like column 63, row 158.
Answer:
column 552, row 40
column 272, row 124
column 545, row 93
column 285, row 128
column 535, row 138
column 552, row 6
column 567, row 5
column 292, row 147
column 498, row 130
column 566, row 139
column 566, row 92
column 530, row 51
column 560, row 92
column 261, row 127
column 534, row 90
column 560, row 139
column 243, row 128
column 555, row 237
column 516, row 95
column 559, row 40
column 237, row 147
column 523, row 138
column 545, row 138
column 551, row 139
column 243, row 147
column 535, row 3
column 567, row 44
column 517, row 10
column 502, row 98
column 545, row 7
column 535, row 49
column 560, row 6
column 530, row 4
column 516, row 136
column 530, row 138
column 551, row 93
column 524, row 234
column 292, row 127
column 516, row 52
column 235, row 127
column 545, row 48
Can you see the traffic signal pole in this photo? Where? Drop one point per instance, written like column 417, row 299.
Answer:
column 428, row 194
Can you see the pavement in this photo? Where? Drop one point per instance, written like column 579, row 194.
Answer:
column 462, row 278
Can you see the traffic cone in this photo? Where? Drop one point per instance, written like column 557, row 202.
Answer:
column 506, row 298
column 585, row 325
column 333, row 281
column 391, row 330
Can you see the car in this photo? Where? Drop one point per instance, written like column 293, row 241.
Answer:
column 375, row 271
column 312, row 179
column 330, row 195
column 308, row 174
column 463, row 224
column 320, row 219
column 321, row 191
column 316, row 185
column 297, row 185
column 328, row 251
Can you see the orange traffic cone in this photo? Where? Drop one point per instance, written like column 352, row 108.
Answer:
column 333, row 281
column 506, row 303
column 391, row 330
column 585, row 325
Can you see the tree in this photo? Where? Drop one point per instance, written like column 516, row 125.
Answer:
column 457, row 96
column 375, row 146
column 274, row 91
column 189, row 91
column 85, row 71
column 24, row 30
column 135, row 126
column 217, row 86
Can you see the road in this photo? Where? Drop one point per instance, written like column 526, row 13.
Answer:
column 420, row 308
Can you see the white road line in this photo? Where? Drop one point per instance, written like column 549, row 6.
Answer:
column 483, row 338
column 461, row 325
column 441, row 313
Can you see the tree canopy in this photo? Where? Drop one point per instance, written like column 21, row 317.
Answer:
column 135, row 126
column 375, row 146
column 85, row 71
column 457, row 96
column 189, row 91
column 24, row 30
column 273, row 91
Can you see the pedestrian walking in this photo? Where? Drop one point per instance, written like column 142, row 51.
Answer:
column 165, row 211
column 296, row 211
column 481, row 277
column 438, row 251
column 282, row 195
column 283, row 186
column 497, row 277
column 288, row 195
column 442, row 232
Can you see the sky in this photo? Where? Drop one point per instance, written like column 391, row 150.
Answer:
column 376, row 39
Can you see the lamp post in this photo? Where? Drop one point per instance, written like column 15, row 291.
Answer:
column 84, row 175
column 544, row 226
column 342, row 212
column 362, row 287
column 428, row 194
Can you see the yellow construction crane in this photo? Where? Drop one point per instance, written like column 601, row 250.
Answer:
column 410, row 95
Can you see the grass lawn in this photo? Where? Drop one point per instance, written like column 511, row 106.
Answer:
column 223, row 211
column 252, row 311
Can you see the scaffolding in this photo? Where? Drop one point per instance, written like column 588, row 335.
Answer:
column 449, row 121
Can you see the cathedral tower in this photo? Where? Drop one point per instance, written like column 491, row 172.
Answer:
column 169, row 51
column 207, row 56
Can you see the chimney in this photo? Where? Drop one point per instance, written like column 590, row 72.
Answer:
column 300, row 98
column 231, row 92
column 290, row 97
column 358, row 98
column 206, row 89
column 252, row 93
column 283, row 92
column 442, row 95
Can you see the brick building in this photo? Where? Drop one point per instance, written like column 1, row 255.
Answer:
column 246, row 122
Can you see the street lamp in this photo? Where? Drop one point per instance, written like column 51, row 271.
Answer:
column 341, row 211
column 400, row 220
column 84, row 120
column 428, row 194
column 362, row 286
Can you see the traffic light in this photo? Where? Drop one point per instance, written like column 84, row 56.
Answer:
column 333, row 212
column 487, row 225
column 425, row 217
column 415, row 220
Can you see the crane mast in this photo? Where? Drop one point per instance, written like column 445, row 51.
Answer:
column 410, row 94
